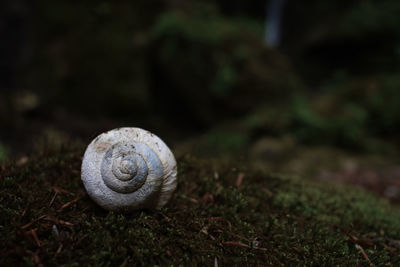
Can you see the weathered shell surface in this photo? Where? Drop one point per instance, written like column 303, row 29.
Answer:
column 128, row 169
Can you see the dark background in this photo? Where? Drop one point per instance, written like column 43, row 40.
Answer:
column 200, row 72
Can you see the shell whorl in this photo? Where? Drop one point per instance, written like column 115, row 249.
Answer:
column 125, row 168
column 129, row 168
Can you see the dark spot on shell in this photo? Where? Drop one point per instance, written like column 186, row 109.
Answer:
column 101, row 147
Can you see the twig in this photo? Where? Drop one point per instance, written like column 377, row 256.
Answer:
column 204, row 231
column 165, row 216
column 32, row 222
column 239, row 179
column 364, row 254
column 193, row 200
column 58, row 250
column 240, row 244
column 235, row 243
column 60, row 190
column 207, row 198
column 36, row 259
column 24, row 212
column 241, row 237
column 35, row 237
column 53, row 198
column 61, row 222
column 190, row 190
column 81, row 239
column 356, row 240
column 66, row 205
column 390, row 250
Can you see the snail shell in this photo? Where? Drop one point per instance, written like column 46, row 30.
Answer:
column 128, row 169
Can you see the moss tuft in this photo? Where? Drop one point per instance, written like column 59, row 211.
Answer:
column 273, row 220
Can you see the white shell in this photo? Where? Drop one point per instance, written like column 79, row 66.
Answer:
column 128, row 169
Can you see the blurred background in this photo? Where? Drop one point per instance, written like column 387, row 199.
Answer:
column 307, row 87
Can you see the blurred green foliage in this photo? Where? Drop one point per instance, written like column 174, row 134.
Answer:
column 219, row 67
column 148, row 61
column 350, row 60
column 226, row 141
column 3, row 152
column 333, row 81
column 86, row 54
column 378, row 97
column 350, row 112
column 382, row 17
column 345, row 126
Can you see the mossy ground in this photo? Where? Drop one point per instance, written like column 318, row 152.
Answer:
column 221, row 212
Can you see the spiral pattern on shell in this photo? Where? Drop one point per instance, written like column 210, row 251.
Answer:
column 128, row 169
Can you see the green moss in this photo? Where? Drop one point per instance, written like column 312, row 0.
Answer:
column 271, row 220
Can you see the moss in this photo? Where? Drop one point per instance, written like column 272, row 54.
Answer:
column 268, row 219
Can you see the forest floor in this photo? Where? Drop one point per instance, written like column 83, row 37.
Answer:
column 224, row 212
